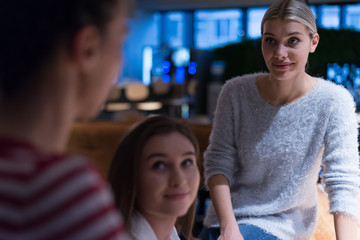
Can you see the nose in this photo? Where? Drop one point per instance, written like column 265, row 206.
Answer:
column 177, row 177
column 280, row 52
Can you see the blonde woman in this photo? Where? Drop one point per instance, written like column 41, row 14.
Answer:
column 271, row 133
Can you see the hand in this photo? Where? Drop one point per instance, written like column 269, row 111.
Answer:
column 231, row 233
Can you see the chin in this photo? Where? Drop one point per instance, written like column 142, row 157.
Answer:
column 282, row 75
column 178, row 211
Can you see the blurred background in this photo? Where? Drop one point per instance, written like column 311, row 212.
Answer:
column 179, row 53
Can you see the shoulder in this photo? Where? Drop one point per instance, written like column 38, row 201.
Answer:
column 75, row 178
column 335, row 102
column 140, row 228
column 241, row 83
column 66, row 191
column 334, row 94
column 244, row 79
column 81, row 181
column 71, row 168
column 87, row 195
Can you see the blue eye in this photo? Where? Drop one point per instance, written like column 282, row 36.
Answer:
column 158, row 165
column 293, row 41
column 270, row 40
column 187, row 162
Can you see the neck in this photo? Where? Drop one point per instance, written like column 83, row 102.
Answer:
column 284, row 92
column 162, row 226
column 43, row 117
column 46, row 128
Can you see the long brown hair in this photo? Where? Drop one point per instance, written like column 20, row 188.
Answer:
column 124, row 168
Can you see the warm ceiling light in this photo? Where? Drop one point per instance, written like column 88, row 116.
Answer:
column 136, row 92
column 113, row 107
column 149, row 106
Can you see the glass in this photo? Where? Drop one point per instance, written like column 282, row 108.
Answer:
column 255, row 16
column 215, row 28
column 352, row 16
column 330, row 16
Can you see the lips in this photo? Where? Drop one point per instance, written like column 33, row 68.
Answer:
column 282, row 65
column 176, row 196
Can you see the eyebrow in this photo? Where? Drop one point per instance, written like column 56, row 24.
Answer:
column 190, row 153
column 292, row 33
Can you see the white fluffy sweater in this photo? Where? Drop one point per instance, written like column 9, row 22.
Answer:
column 272, row 156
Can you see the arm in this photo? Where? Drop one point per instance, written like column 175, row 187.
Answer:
column 341, row 172
column 221, row 158
column 220, row 196
column 345, row 227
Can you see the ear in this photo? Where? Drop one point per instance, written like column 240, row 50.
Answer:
column 85, row 47
column 314, row 42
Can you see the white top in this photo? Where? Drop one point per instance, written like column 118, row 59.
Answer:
column 272, row 156
column 140, row 229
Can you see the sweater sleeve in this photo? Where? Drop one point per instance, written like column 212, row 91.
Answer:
column 341, row 159
column 221, row 152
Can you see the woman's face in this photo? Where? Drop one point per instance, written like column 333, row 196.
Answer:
column 106, row 64
column 286, row 45
column 168, row 176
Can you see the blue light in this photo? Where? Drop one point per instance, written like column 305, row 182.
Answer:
column 192, row 65
column 192, row 70
column 181, row 57
column 156, row 70
column 357, row 82
column 166, row 66
column 331, row 73
column 147, row 64
column 185, row 111
column 166, row 78
column 345, row 70
column 338, row 79
column 348, row 75
column 330, row 16
column 166, row 70
column 180, row 75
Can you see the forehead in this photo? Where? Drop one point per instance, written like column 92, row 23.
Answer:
column 279, row 26
column 167, row 142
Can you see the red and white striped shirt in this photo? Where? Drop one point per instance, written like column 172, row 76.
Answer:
column 53, row 197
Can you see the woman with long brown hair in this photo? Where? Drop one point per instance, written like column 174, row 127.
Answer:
column 155, row 179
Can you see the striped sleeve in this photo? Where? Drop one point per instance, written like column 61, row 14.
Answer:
column 61, row 198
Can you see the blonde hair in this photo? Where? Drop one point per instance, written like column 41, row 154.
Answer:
column 296, row 10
